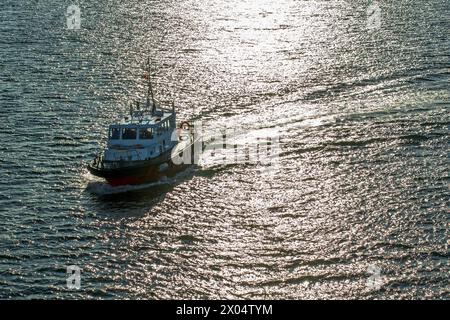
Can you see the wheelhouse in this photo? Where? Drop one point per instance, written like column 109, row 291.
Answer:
column 142, row 131
column 141, row 136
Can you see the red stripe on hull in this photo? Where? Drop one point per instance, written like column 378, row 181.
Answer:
column 124, row 181
column 151, row 175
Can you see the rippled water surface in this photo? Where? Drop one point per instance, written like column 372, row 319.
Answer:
column 363, row 120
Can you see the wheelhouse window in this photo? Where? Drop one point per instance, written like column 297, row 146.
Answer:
column 145, row 134
column 114, row 134
column 129, row 134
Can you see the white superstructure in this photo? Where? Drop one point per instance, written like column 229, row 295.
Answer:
column 141, row 136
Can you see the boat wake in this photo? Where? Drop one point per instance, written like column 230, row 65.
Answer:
column 104, row 189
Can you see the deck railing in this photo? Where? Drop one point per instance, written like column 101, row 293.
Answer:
column 128, row 156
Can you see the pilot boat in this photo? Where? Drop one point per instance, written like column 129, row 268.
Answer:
column 141, row 147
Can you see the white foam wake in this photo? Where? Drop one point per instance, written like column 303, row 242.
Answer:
column 102, row 188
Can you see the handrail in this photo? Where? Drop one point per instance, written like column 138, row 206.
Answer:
column 99, row 162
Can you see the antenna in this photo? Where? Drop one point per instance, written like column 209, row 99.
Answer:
column 150, row 90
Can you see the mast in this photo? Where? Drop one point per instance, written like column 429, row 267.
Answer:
column 150, row 90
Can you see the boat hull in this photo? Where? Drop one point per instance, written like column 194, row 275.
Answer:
column 139, row 175
column 139, row 172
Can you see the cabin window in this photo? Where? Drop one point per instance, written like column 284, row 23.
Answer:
column 129, row 134
column 145, row 134
column 114, row 134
